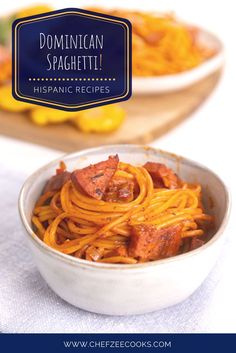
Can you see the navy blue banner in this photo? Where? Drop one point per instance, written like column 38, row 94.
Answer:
column 71, row 59
column 174, row 343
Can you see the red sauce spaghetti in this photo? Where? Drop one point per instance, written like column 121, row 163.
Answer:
column 115, row 212
column 162, row 44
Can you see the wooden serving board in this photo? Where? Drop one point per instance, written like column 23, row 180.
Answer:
column 148, row 117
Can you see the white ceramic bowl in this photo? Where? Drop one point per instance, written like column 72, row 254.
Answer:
column 116, row 289
column 181, row 80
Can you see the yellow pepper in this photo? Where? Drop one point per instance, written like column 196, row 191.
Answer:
column 100, row 119
column 33, row 10
column 5, row 64
column 8, row 103
column 45, row 116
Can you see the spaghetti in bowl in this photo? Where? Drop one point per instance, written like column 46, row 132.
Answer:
column 114, row 288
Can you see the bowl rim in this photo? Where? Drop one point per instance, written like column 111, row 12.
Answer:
column 107, row 266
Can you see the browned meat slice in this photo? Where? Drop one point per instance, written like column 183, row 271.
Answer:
column 162, row 176
column 150, row 243
column 56, row 182
column 196, row 243
column 119, row 190
column 95, row 179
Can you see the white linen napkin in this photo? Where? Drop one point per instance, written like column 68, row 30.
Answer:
column 28, row 305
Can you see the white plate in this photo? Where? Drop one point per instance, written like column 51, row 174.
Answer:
column 175, row 82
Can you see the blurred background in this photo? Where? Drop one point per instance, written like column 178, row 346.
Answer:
column 183, row 101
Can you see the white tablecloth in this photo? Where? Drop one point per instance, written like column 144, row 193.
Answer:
column 28, row 305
